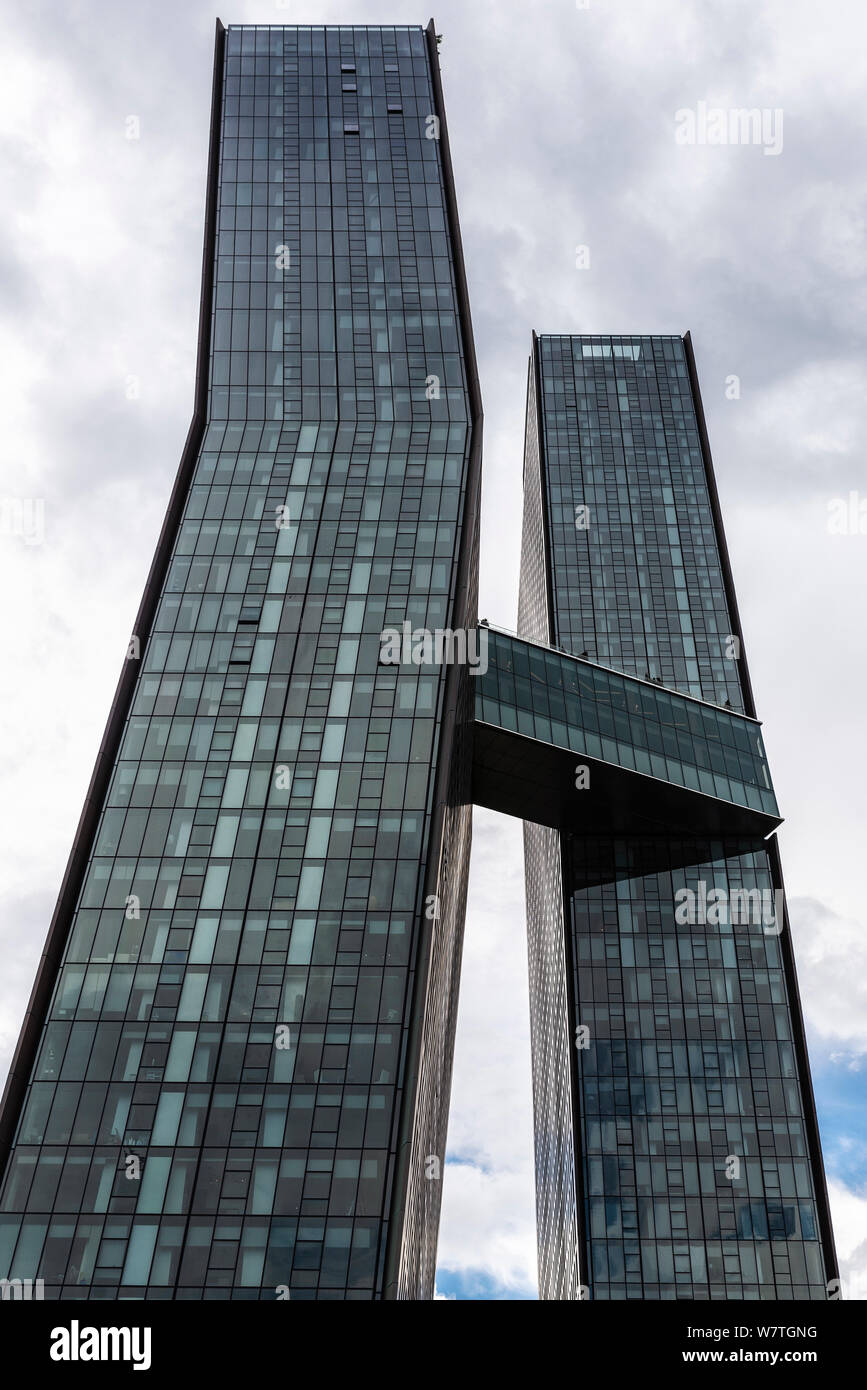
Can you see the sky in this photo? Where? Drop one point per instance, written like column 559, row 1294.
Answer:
column 584, row 207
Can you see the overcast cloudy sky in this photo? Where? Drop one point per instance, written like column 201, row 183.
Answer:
column 562, row 119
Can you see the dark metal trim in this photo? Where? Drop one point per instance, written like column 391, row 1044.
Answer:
column 799, row 1037
column 568, row 952
column 49, row 964
column 448, row 726
column 572, row 1024
column 584, row 1275
column 725, row 562
column 536, row 369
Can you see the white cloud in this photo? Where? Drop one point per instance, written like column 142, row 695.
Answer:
column 487, row 1234
column 849, row 1215
column 488, row 1215
column 833, row 955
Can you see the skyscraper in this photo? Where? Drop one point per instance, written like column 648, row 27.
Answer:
column 232, row 1082
column 233, row 1077
column 677, row 1149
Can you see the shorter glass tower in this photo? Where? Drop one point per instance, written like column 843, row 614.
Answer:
column 677, row 1150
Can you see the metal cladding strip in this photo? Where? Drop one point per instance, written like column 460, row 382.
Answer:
column 46, row 975
column 811, row 1119
column 472, row 501
column 568, row 954
column 559, row 1265
column 536, row 369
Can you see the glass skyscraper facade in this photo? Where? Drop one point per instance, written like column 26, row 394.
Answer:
column 233, row 1078
column 676, row 1143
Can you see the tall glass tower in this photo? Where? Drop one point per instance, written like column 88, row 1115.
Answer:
column 233, row 1077
column 677, row 1150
